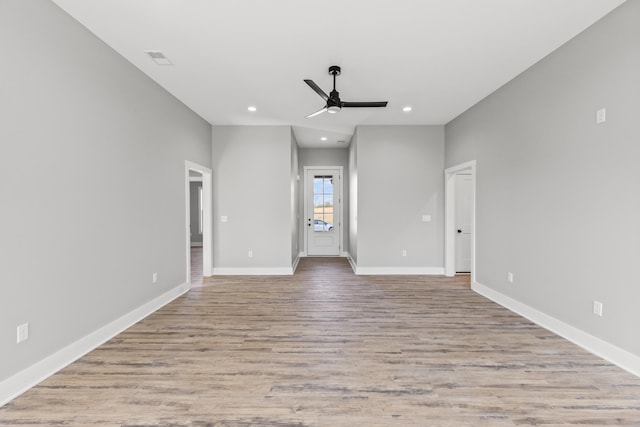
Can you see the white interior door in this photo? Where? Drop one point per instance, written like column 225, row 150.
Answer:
column 463, row 223
column 323, row 211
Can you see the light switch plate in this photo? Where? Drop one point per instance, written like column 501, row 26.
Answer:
column 224, row 218
column 426, row 218
column 22, row 333
column 601, row 115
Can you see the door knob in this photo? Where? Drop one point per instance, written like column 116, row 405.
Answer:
column 459, row 231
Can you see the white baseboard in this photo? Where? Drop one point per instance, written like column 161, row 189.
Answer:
column 17, row 384
column 295, row 264
column 399, row 270
column 627, row 361
column 252, row 271
column 353, row 264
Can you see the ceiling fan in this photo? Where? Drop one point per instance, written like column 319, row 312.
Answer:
column 334, row 104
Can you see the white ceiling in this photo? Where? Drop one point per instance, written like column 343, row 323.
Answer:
column 438, row 56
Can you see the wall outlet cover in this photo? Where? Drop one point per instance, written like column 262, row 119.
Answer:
column 597, row 308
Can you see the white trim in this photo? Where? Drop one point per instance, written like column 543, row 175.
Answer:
column 17, row 384
column 431, row 271
column 295, row 264
column 449, row 217
column 207, row 226
column 196, row 244
column 195, row 179
column 252, row 271
column 354, row 267
column 622, row 358
column 340, row 204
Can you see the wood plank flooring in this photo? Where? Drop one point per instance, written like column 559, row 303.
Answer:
column 328, row 348
column 196, row 265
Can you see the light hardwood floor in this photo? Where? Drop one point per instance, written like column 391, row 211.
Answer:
column 327, row 348
column 196, row 266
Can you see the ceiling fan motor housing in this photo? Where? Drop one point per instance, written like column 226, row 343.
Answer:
column 334, row 70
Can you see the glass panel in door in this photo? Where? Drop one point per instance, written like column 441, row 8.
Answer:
column 323, row 204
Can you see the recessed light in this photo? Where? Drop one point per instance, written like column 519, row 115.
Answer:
column 324, row 138
column 252, row 108
column 407, row 109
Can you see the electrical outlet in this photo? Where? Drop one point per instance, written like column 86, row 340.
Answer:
column 154, row 278
column 404, row 252
column 510, row 277
column 597, row 308
column 22, row 333
column 250, row 254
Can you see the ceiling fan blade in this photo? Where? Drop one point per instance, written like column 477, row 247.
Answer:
column 317, row 89
column 316, row 113
column 364, row 104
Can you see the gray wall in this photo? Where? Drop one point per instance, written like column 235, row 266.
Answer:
column 558, row 195
column 194, row 211
column 399, row 179
column 353, row 197
column 296, row 216
column 101, row 150
column 326, row 157
column 252, row 187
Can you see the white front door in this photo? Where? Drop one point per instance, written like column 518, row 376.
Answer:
column 463, row 223
column 322, row 211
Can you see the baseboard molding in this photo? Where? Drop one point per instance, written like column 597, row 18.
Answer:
column 294, row 266
column 253, row 271
column 431, row 271
column 17, row 384
column 352, row 263
column 611, row 353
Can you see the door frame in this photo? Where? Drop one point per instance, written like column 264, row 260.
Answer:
column 449, row 217
column 207, row 225
column 303, row 223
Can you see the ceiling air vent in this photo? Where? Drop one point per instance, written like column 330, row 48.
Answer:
column 158, row 57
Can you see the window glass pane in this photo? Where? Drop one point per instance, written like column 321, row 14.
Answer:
column 323, row 203
column 328, row 186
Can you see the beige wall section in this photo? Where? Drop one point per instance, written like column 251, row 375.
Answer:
column 100, row 149
column 252, row 188
column 399, row 179
column 557, row 194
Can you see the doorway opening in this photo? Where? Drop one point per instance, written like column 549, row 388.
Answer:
column 323, row 210
column 196, row 222
column 199, row 238
column 460, row 219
